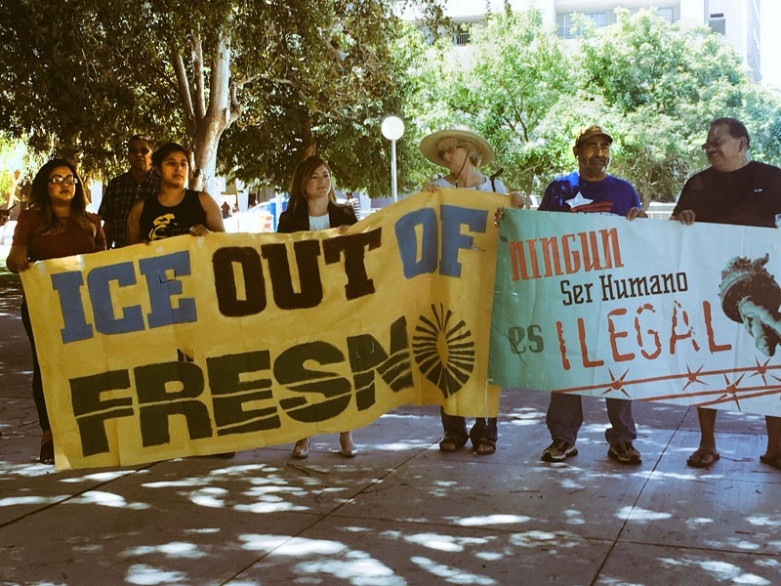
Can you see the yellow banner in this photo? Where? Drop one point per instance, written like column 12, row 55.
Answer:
column 206, row 345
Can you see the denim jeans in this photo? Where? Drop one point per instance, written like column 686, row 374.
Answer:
column 565, row 416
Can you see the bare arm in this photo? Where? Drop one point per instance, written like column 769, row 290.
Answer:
column 213, row 216
column 17, row 259
column 133, row 232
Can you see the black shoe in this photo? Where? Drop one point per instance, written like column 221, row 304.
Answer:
column 47, row 453
column 559, row 451
column 624, row 453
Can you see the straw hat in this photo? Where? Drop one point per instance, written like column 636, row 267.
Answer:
column 429, row 146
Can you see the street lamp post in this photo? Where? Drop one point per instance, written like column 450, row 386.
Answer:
column 393, row 129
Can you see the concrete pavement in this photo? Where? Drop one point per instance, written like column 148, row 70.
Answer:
column 401, row 513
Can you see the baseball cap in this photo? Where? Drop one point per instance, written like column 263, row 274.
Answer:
column 590, row 131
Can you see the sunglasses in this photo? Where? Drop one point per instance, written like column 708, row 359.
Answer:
column 143, row 151
column 448, row 150
column 69, row 180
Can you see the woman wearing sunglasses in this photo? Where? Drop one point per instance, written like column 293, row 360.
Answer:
column 55, row 225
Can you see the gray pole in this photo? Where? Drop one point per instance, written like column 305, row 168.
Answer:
column 393, row 171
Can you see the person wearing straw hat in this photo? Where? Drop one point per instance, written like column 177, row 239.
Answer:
column 462, row 151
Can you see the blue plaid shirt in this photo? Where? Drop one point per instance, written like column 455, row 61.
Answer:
column 122, row 192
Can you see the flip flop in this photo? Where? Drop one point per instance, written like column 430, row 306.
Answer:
column 703, row 458
column 774, row 461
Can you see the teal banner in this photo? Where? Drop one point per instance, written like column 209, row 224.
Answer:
column 649, row 310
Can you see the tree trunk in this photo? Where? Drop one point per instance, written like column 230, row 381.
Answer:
column 206, row 124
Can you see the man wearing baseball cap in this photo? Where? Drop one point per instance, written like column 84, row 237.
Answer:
column 591, row 190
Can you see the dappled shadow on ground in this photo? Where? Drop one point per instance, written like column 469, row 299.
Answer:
column 402, row 513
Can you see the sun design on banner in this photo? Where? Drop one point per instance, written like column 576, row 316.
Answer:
column 444, row 350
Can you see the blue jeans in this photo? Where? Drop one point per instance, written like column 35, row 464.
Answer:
column 565, row 416
column 455, row 428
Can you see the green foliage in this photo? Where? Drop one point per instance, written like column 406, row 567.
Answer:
column 655, row 86
column 504, row 86
column 662, row 85
column 80, row 77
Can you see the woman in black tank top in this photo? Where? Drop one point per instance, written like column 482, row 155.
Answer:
column 174, row 210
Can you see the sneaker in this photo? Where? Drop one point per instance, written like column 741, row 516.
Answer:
column 559, row 451
column 624, row 453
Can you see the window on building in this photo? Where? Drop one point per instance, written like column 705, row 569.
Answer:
column 717, row 22
column 564, row 22
column 667, row 13
column 598, row 18
column 462, row 33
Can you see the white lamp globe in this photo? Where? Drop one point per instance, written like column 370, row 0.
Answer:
column 392, row 128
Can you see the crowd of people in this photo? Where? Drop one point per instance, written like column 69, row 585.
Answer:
column 151, row 201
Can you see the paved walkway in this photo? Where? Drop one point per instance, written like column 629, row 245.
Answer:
column 401, row 513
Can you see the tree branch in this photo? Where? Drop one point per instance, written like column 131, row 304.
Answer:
column 220, row 94
column 200, row 92
column 183, row 88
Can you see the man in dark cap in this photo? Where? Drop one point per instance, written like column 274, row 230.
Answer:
column 591, row 190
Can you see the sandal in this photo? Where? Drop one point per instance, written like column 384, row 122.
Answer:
column 47, row 453
column 703, row 458
column 774, row 461
column 484, row 447
column 449, row 444
column 301, row 450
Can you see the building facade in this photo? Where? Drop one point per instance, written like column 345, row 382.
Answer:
column 739, row 21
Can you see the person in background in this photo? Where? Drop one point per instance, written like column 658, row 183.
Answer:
column 125, row 190
column 591, row 190
column 174, row 209
column 733, row 190
column 462, row 151
column 5, row 215
column 312, row 206
column 56, row 224
column 354, row 201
